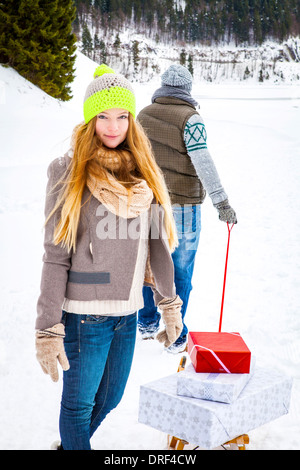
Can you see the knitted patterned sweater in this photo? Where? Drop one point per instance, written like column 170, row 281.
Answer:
column 195, row 138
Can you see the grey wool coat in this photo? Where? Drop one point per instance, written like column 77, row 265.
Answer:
column 102, row 267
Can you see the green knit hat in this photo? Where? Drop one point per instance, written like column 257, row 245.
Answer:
column 108, row 90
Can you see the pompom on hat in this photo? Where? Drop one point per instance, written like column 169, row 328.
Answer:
column 108, row 90
column 177, row 76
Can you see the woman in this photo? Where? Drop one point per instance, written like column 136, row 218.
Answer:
column 109, row 230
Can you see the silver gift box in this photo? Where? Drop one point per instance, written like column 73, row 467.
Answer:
column 210, row 424
column 212, row 386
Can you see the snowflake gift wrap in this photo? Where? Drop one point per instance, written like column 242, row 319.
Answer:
column 209, row 424
column 212, row 386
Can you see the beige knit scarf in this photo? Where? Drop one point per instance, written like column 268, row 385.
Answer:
column 122, row 201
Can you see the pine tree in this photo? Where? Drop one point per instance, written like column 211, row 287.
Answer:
column 86, row 41
column 117, row 44
column 37, row 41
column 190, row 64
column 103, row 52
column 135, row 55
column 182, row 57
column 257, row 27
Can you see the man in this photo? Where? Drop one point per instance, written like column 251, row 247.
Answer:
column 178, row 137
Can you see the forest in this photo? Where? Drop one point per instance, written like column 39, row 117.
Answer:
column 197, row 21
column 39, row 38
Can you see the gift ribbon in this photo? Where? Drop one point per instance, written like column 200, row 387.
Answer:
column 213, row 353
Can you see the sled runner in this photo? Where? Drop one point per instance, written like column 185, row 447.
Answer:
column 178, row 444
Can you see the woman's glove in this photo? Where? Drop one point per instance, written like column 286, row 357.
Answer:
column 50, row 349
column 171, row 315
column 226, row 213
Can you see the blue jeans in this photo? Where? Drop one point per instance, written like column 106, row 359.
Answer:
column 100, row 351
column 188, row 224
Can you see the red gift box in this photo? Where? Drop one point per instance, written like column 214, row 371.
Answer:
column 219, row 352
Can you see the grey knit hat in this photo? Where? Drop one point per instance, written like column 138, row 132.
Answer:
column 178, row 76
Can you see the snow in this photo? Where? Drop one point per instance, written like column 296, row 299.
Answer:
column 224, row 62
column 253, row 136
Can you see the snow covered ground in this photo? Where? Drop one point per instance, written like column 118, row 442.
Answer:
column 253, row 136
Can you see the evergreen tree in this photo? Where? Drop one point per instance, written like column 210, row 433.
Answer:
column 86, row 41
column 135, row 55
column 257, row 28
column 96, row 47
column 190, row 64
column 117, row 44
column 182, row 57
column 103, row 52
column 37, row 40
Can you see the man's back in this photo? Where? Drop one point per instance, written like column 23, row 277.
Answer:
column 164, row 122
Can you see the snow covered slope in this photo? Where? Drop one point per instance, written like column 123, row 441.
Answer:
column 253, row 135
column 271, row 62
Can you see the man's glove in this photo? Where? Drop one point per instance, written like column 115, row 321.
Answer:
column 50, row 349
column 226, row 213
column 171, row 315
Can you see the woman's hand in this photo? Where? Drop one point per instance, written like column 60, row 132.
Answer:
column 171, row 315
column 50, row 349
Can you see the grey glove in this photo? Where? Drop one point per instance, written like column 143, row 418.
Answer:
column 50, row 349
column 226, row 213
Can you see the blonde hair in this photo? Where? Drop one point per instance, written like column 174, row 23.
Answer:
column 85, row 162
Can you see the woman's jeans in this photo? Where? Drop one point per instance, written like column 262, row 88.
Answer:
column 100, row 351
column 188, row 224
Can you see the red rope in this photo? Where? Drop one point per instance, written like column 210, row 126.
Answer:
column 225, row 274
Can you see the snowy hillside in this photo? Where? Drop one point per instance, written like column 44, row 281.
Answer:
column 253, row 136
column 272, row 62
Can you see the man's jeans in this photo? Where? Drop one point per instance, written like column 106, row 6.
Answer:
column 188, row 223
column 100, row 351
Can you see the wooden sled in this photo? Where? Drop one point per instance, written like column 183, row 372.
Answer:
column 174, row 443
